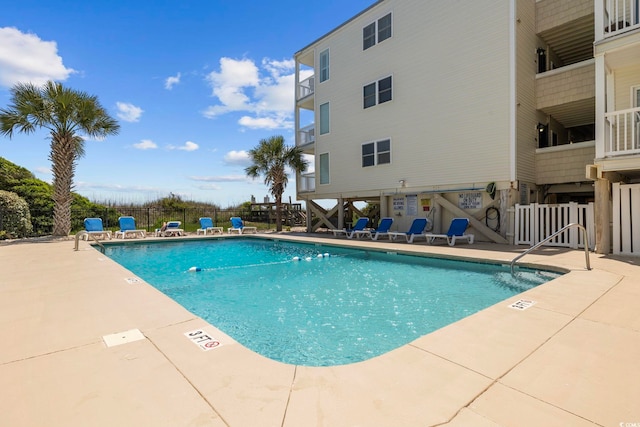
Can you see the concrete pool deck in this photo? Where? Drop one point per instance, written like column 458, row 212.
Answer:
column 570, row 359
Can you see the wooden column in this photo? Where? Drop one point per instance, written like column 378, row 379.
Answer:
column 602, row 215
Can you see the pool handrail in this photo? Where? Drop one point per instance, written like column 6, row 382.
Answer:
column 545, row 240
column 83, row 233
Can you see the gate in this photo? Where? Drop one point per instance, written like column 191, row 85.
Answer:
column 535, row 222
column 626, row 219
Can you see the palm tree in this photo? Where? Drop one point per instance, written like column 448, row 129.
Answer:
column 65, row 113
column 271, row 158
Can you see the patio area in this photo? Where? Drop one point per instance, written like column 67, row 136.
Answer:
column 570, row 359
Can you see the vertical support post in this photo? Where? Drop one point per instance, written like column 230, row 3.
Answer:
column 573, row 218
column 603, row 216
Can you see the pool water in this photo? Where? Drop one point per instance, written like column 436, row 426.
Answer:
column 332, row 306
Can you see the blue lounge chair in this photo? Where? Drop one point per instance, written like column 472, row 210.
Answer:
column 359, row 226
column 456, row 231
column 238, row 225
column 128, row 228
column 206, row 226
column 416, row 230
column 172, row 229
column 381, row 231
column 93, row 227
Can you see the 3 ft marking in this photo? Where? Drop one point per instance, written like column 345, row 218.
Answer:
column 203, row 340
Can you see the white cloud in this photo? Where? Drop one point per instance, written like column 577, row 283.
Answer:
column 265, row 93
column 210, row 186
column 265, row 122
column 43, row 170
column 220, row 178
column 128, row 112
column 188, row 146
column 171, row 81
column 237, row 158
column 25, row 58
column 146, row 144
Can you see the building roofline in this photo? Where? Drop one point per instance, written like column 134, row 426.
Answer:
column 338, row 27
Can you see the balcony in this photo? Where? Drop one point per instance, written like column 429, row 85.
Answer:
column 307, row 182
column 622, row 132
column 568, row 93
column 620, row 16
column 306, row 88
column 567, row 29
column 306, row 138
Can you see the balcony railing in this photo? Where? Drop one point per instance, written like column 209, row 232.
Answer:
column 620, row 16
column 622, row 132
column 307, row 182
column 307, row 135
column 306, row 87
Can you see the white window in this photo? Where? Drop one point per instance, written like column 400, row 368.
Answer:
column 376, row 32
column 324, row 168
column 376, row 153
column 377, row 92
column 324, row 118
column 324, row 65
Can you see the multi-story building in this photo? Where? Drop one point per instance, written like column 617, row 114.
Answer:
column 616, row 167
column 446, row 109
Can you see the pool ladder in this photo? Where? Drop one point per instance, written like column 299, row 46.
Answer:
column 563, row 229
column 84, row 233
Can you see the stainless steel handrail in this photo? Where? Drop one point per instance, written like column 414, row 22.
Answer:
column 566, row 227
column 83, row 233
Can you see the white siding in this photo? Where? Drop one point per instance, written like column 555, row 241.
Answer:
column 526, row 97
column 449, row 118
column 625, row 78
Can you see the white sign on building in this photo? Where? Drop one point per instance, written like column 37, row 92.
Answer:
column 470, row 200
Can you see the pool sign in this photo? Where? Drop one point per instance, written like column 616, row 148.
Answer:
column 470, row 200
column 398, row 203
column 203, row 340
column 522, row 304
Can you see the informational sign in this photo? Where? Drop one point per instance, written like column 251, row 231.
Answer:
column 398, row 203
column 412, row 205
column 203, row 340
column 426, row 205
column 522, row 304
column 470, row 200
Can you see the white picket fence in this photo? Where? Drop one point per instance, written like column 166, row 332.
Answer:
column 535, row 222
column 626, row 219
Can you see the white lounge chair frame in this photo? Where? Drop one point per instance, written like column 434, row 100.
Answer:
column 132, row 232
column 173, row 229
column 243, row 229
column 211, row 229
column 452, row 238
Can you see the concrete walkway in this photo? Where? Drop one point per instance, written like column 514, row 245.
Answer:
column 570, row 359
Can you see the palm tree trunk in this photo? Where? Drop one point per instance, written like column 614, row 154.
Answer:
column 63, row 155
column 279, row 212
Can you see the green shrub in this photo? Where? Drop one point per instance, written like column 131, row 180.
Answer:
column 15, row 219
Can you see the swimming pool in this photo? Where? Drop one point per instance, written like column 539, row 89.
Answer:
column 318, row 305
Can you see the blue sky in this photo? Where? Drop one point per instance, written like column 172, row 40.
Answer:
column 193, row 84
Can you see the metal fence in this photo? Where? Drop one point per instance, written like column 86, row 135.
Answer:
column 147, row 218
